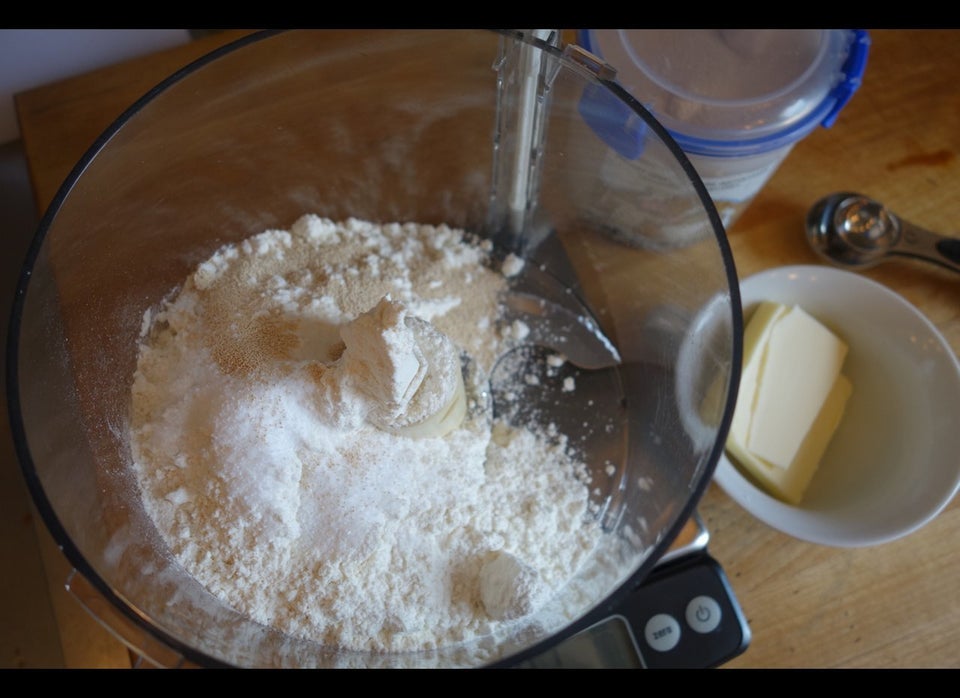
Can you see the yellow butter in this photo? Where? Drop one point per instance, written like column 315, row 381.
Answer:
column 755, row 339
column 791, row 399
column 790, row 484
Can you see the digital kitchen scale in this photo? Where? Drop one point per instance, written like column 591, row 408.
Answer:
column 683, row 616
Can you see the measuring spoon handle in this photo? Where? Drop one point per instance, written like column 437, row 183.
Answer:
column 921, row 243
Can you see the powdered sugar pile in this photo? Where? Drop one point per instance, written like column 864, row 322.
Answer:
column 268, row 439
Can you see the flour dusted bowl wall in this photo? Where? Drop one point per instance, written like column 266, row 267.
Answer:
column 382, row 126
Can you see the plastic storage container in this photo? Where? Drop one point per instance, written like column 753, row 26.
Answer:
column 735, row 100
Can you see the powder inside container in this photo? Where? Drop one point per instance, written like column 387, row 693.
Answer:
column 291, row 490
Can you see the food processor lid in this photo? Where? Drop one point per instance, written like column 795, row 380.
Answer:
column 736, row 91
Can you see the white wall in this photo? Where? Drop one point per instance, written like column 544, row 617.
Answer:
column 33, row 57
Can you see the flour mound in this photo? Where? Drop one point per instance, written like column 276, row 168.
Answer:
column 407, row 370
column 309, row 449
column 509, row 588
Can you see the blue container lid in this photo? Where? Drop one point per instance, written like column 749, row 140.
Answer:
column 736, row 92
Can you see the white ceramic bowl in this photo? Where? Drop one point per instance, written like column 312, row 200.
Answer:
column 894, row 462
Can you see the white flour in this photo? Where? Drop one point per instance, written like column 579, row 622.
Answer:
column 268, row 431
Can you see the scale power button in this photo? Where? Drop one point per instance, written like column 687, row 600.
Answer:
column 703, row 614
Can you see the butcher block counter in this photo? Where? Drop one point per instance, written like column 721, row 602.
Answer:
column 898, row 140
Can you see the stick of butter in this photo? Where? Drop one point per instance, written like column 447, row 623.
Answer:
column 791, row 399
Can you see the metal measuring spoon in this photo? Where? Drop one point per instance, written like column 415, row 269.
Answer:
column 852, row 230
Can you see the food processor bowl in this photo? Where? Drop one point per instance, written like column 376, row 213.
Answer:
column 508, row 134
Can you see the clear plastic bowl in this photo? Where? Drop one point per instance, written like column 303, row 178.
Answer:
column 383, row 126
